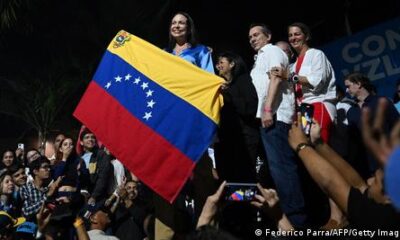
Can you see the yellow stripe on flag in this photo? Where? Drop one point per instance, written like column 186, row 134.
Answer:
column 185, row 80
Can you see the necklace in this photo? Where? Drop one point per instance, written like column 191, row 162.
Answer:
column 179, row 48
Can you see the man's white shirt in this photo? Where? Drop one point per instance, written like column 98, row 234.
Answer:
column 268, row 57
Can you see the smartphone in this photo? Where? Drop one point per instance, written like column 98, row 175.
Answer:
column 307, row 114
column 240, row 191
column 21, row 146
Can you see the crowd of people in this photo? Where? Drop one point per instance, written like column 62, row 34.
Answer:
column 323, row 171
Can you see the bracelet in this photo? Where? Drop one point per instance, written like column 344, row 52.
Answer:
column 317, row 142
column 301, row 146
column 267, row 109
column 78, row 222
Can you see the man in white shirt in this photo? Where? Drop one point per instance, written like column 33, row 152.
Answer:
column 275, row 111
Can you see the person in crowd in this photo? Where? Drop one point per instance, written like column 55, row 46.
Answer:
column 238, row 134
column 360, row 87
column 99, row 221
column 345, row 139
column 56, row 146
column 130, row 215
column 59, row 229
column 30, row 156
column 275, row 112
column 314, row 84
column 34, row 193
column 68, row 164
column 20, row 153
column 17, row 172
column 8, row 158
column 285, row 46
column 19, row 178
column 99, row 165
column 364, row 203
column 396, row 98
column 7, row 187
column 183, row 42
column 237, row 147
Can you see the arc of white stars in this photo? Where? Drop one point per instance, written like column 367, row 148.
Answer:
column 127, row 77
column 118, row 78
column 147, row 115
column 137, row 80
column 149, row 93
column 108, row 85
column 151, row 103
column 144, row 85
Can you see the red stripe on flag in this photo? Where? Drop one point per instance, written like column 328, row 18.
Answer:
column 147, row 154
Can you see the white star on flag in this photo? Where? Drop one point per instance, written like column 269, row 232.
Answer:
column 151, row 103
column 127, row 77
column 145, row 85
column 149, row 93
column 118, row 78
column 137, row 80
column 147, row 115
column 108, row 85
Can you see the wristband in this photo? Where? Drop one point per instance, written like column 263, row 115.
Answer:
column 78, row 222
column 301, row 146
column 267, row 109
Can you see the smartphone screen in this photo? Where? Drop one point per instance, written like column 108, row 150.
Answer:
column 307, row 114
column 240, row 191
column 21, row 146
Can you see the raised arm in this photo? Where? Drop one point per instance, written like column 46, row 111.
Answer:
column 324, row 174
column 347, row 171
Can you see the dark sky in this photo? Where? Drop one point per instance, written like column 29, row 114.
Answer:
column 71, row 36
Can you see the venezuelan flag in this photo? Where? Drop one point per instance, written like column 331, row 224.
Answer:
column 156, row 112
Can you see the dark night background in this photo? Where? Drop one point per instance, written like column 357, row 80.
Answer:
column 49, row 49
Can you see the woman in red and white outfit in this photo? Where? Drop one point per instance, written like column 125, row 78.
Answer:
column 316, row 78
column 315, row 85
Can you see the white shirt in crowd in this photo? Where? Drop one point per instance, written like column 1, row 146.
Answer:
column 96, row 234
column 86, row 158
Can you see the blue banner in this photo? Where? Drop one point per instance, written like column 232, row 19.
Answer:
column 374, row 52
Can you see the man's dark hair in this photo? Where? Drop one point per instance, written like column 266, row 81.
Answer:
column 84, row 132
column 35, row 165
column 191, row 32
column 264, row 28
column 361, row 79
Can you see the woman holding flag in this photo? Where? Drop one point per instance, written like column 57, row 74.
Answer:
column 178, row 219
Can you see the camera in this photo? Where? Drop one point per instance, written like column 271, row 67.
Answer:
column 293, row 78
column 240, row 191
